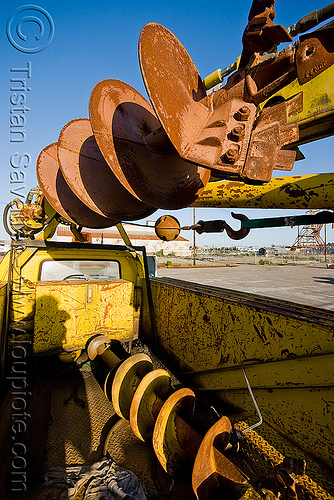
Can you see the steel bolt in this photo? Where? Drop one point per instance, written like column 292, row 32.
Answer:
column 238, row 133
column 232, row 154
column 242, row 114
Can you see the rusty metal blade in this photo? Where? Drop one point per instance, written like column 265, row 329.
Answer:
column 261, row 33
column 60, row 196
column 214, row 476
column 89, row 177
column 209, row 130
column 123, row 124
column 173, row 84
column 217, row 130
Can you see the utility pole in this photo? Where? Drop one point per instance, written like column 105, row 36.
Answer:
column 194, row 239
column 325, row 244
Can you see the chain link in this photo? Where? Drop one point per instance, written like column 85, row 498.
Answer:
column 309, row 489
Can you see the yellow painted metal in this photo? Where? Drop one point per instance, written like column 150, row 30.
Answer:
column 3, row 294
column 124, row 234
column 4, row 265
column 48, row 231
column 69, row 357
column 206, row 328
column 303, row 372
column 2, row 301
column 22, row 296
column 26, row 273
column 29, row 224
column 204, row 334
column 213, row 79
column 303, row 415
column 218, row 76
column 316, row 120
column 126, row 381
column 68, row 313
column 296, row 191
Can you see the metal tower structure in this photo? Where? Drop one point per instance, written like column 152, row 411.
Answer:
column 309, row 236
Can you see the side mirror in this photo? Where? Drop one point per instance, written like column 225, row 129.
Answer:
column 152, row 266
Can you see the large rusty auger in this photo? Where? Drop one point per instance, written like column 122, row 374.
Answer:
column 159, row 413
column 131, row 158
column 117, row 166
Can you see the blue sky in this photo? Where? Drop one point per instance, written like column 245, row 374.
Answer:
column 95, row 41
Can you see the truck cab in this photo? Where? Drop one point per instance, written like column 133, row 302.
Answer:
column 63, row 292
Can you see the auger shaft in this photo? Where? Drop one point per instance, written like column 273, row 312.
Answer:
column 174, row 439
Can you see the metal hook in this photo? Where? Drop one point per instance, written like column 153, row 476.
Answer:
column 242, row 232
column 218, row 226
column 168, row 228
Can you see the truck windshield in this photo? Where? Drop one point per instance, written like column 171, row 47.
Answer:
column 52, row 270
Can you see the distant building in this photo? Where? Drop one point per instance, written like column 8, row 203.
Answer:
column 139, row 235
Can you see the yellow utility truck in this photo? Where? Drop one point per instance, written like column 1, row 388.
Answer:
column 119, row 384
